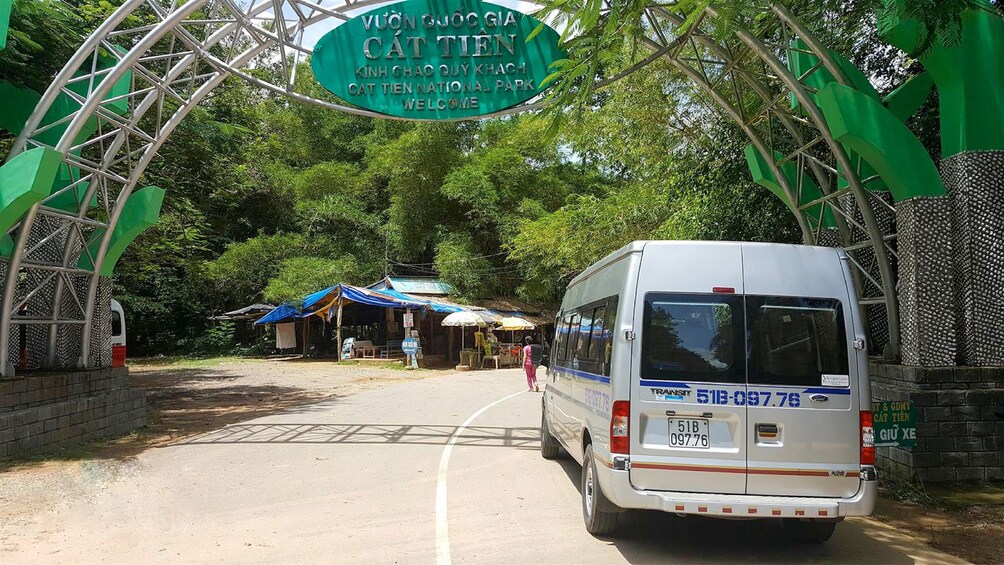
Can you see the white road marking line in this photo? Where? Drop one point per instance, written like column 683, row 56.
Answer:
column 442, row 523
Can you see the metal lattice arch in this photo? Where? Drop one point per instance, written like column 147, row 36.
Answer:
column 174, row 54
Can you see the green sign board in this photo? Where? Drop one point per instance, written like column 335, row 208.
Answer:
column 895, row 424
column 437, row 59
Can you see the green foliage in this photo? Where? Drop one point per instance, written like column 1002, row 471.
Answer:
column 940, row 20
column 245, row 268
column 300, row 276
column 43, row 35
column 219, row 338
column 269, row 199
column 460, row 264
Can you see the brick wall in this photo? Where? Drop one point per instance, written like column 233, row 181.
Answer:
column 960, row 432
column 59, row 409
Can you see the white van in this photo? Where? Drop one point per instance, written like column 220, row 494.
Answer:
column 714, row 378
column 118, row 334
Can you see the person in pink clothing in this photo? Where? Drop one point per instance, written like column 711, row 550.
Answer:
column 531, row 371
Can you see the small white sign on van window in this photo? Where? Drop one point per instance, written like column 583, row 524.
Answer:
column 836, row 380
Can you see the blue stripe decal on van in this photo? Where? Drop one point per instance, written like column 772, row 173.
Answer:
column 583, row 374
column 665, row 384
column 837, row 391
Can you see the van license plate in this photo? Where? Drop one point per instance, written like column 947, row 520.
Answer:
column 689, row 432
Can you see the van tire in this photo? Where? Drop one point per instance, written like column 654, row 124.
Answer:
column 808, row 531
column 598, row 522
column 549, row 446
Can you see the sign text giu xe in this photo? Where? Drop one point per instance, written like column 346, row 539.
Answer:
column 437, row 59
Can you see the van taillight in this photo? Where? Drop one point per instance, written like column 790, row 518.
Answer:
column 723, row 290
column 620, row 433
column 867, row 439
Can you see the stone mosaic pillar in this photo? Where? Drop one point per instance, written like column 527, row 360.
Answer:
column 969, row 75
column 926, row 301
column 975, row 183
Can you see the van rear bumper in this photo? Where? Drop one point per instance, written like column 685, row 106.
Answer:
column 617, row 487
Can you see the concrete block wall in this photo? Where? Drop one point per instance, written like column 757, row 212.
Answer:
column 960, row 429
column 60, row 409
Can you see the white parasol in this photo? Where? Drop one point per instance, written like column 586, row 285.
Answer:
column 463, row 319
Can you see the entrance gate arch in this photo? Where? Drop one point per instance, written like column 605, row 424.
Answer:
column 151, row 62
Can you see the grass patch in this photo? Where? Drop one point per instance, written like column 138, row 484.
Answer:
column 183, row 361
column 903, row 490
column 73, row 452
column 949, row 497
column 955, row 497
column 396, row 365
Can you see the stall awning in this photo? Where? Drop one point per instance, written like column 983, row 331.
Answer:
column 282, row 313
column 433, row 305
column 323, row 303
column 379, row 298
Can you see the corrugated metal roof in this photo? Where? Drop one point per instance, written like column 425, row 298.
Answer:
column 420, row 285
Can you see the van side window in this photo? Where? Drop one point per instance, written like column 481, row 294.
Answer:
column 585, row 331
column 556, row 338
column 597, row 336
column 693, row 338
column 571, row 336
column 795, row 341
column 116, row 323
column 609, row 327
column 559, row 337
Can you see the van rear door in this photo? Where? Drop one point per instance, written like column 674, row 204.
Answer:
column 688, row 430
column 803, row 422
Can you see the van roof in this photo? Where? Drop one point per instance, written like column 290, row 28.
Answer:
column 639, row 246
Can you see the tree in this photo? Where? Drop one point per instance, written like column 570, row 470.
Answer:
column 43, row 35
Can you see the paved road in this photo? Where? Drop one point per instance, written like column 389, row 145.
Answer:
column 362, row 479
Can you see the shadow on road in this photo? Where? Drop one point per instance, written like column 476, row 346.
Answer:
column 660, row 537
column 412, row 434
column 182, row 403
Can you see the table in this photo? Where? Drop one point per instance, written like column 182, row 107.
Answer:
column 471, row 358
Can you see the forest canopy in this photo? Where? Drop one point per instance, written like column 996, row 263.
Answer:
column 268, row 199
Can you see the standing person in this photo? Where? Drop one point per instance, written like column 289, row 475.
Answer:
column 531, row 371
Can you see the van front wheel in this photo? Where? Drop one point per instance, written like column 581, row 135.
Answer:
column 808, row 531
column 599, row 522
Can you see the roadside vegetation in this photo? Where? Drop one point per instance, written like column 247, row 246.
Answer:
column 966, row 520
column 268, row 200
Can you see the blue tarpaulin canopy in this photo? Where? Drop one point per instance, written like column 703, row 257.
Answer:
column 282, row 313
column 434, row 306
column 374, row 298
column 311, row 299
column 330, row 297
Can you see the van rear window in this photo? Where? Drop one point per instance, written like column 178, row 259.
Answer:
column 116, row 323
column 692, row 338
column 795, row 341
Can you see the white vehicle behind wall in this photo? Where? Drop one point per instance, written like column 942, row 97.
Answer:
column 118, row 335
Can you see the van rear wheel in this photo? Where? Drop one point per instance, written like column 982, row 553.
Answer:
column 598, row 521
column 549, row 446
column 808, row 531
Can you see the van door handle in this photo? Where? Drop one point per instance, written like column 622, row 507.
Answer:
column 768, row 434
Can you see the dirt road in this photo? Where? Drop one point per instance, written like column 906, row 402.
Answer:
column 433, row 467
